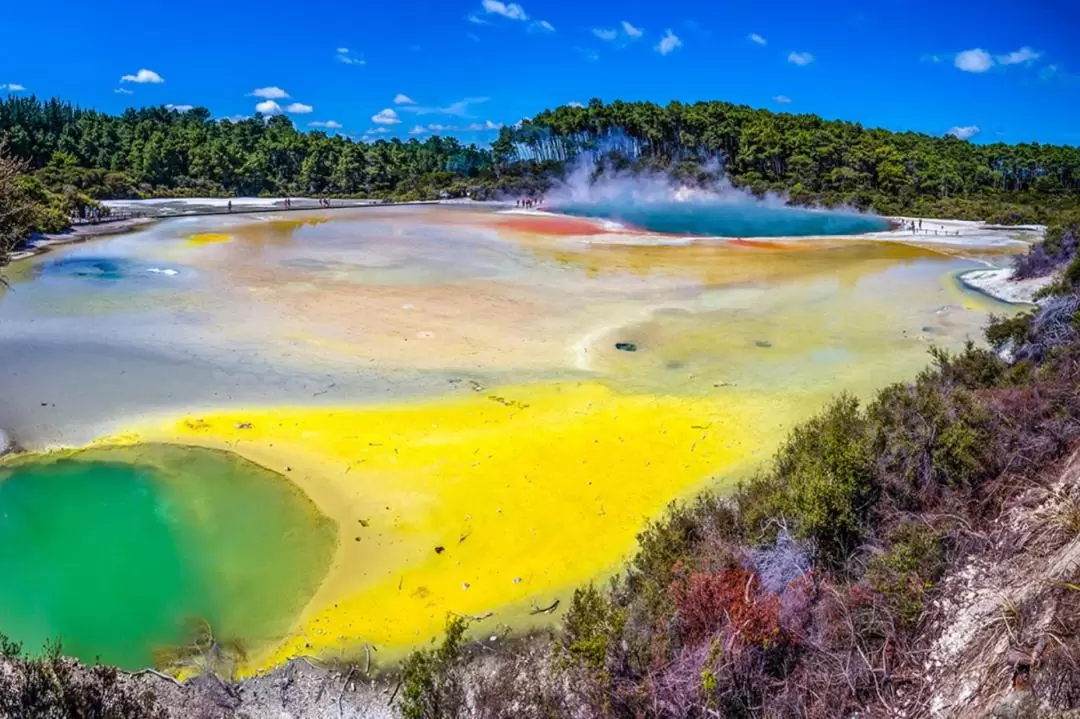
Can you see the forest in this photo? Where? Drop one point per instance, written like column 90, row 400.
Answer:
column 80, row 155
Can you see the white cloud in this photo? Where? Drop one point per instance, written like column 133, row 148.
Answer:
column 401, row 99
column 1024, row 54
column 459, row 108
column 574, row 103
column 143, row 76
column 418, row 130
column 472, row 36
column 974, row 60
column 509, row 10
column 800, row 58
column 965, row 132
column 754, row 37
column 783, row 99
column 543, row 25
column 329, row 124
column 489, row 125
column 669, row 42
column 386, row 117
column 269, row 93
column 299, row 108
column 605, row 34
column 630, row 30
column 180, row 108
column 12, row 87
column 473, row 18
column 377, row 131
column 235, row 118
column 348, row 58
column 268, row 107
column 123, row 91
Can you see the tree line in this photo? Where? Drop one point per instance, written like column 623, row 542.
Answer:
column 81, row 154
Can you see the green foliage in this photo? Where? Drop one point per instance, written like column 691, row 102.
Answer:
column 914, row 560
column 155, row 150
column 590, row 626
column 431, row 683
column 821, row 482
column 1002, row 329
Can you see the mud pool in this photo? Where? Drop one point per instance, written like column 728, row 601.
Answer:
column 425, row 410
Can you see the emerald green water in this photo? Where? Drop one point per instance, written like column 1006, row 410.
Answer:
column 115, row 551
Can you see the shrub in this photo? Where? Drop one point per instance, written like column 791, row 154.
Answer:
column 591, row 625
column 431, row 680
column 730, row 599
column 821, row 482
column 914, row 560
column 54, row 686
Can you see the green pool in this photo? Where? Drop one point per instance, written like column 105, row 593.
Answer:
column 118, row 552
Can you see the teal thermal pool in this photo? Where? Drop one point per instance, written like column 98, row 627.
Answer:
column 119, row 552
column 721, row 218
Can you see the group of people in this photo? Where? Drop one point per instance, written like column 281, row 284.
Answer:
column 915, row 226
column 323, row 202
column 530, row 202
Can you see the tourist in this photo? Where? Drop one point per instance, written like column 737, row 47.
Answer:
column 229, row 206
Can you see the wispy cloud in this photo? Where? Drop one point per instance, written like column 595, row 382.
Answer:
column 299, row 108
column 459, row 108
column 268, row 107
column 12, row 87
column 801, row 59
column 179, row 108
column 473, row 36
column 508, row 10
column 930, row 58
column 477, row 20
column 783, row 99
column 377, row 131
column 143, row 76
column 269, row 93
column 974, row 60
column 486, row 126
column 235, row 118
column 345, row 55
column 542, row 25
column 574, row 103
column 123, row 91
column 630, row 30
column 668, row 43
column 328, row 124
column 1024, row 54
column 605, row 34
column 386, row 117
column 402, row 99
column 755, row 38
column 965, row 132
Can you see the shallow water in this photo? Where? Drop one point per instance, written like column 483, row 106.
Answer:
column 117, row 551
column 447, row 378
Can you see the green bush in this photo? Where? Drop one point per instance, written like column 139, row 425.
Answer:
column 431, row 681
column 1002, row 329
column 592, row 623
column 821, row 483
column 914, row 560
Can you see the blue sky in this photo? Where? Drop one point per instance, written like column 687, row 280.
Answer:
column 995, row 71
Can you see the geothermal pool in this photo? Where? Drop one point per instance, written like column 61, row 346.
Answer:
column 322, row 430
column 727, row 219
